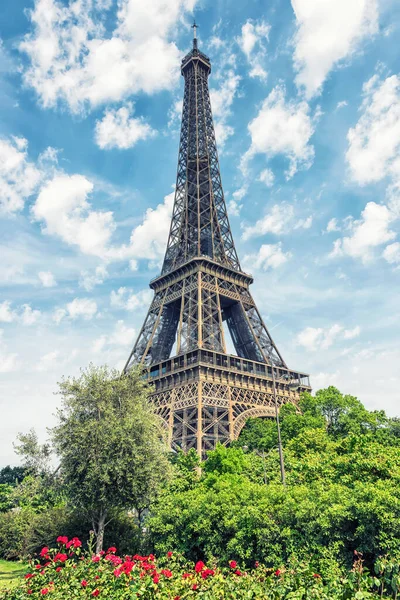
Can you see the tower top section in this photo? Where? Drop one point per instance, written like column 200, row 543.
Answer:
column 195, row 56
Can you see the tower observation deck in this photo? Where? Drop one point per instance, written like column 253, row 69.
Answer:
column 204, row 394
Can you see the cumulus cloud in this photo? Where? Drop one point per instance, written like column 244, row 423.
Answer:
column 89, row 280
column 370, row 231
column 328, row 32
column 269, row 256
column 332, row 225
column 79, row 307
column 47, row 279
column 374, row 143
column 282, row 128
column 267, row 177
column 19, row 178
column 24, row 314
column 221, row 103
column 252, row 42
column 126, row 299
column 279, row 220
column 319, row 338
column 392, row 253
column 119, row 129
column 63, row 207
column 73, row 59
column 122, row 336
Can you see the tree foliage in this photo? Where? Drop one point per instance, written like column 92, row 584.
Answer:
column 109, row 442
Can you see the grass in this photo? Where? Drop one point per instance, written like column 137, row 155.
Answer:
column 10, row 573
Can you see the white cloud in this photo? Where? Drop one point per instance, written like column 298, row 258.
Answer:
column 122, row 336
column 374, row 143
column 47, row 279
column 282, row 128
column 47, row 361
column 25, row 314
column 62, row 205
column 332, row 225
column 392, row 253
column 221, row 102
column 89, row 280
column 252, row 43
column 8, row 361
column 266, row 176
column 19, row 178
column 82, row 307
column 234, row 204
column 341, row 104
column 275, row 221
column 74, row 59
column 304, row 223
column 370, row 231
column 327, row 32
column 128, row 300
column 269, row 256
column 149, row 239
column 118, row 129
column 318, row 338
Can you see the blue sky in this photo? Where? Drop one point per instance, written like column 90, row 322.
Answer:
column 306, row 102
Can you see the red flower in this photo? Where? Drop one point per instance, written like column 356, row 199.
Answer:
column 83, row 583
column 96, row 592
column 233, row 564
column 156, row 578
column 256, row 564
column 38, row 566
column 194, row 586
column 316, row 576
column 177, row 598
column 239, row 573
column 169, row 554
column 62, row 539
column 75, row 542
column 167, row 573
column 111, row 550
column 207, row 573
column 29, row 575
column 44, row 591
column 95, row 559
column 29, row 592
column 199, row 566
column 277, row 572
column 60, row 557
column 97, row 577
column 44, row 551
column 186, row 575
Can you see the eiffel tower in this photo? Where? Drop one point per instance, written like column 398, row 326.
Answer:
column 203, row 394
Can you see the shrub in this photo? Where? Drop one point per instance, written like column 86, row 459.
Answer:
column 71, row 572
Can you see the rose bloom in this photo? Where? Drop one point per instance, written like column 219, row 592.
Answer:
column 44, row 551
column 96, row 592
column 233, row 564
column 83, row 583
column 44, row 591
column 167, row 573
column 29, row 575
column 277, row 572
column 186, row 575
column 62, row 539
column 58, row 569
column 156, row 578
column 60, row 557
column 111, row 550
column 169, row 554
column 95, row 559
column 199, row 566
column 194, row 586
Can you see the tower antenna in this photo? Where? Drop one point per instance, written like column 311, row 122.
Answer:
column 194, row 27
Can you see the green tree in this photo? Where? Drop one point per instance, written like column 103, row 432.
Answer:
column 35, row 456
column 110, row 445
column 12, row 475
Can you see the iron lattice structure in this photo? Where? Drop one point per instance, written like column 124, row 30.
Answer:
column 203, row 394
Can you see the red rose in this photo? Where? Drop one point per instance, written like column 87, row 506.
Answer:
column 44, row 551
column 194, row 586
column 29, row 592
column 44, row 591
column 169, row 554
column 62, row 539
column 207, row 573
column 186, row 575
column 167, row 573
column 60, row 557
column 38, row 566
column 96, row 592
column 83, row 583
column 199, row 566
column 177, row 598
column 95, row 559
column 156, row 578
column 111, row 550
column 59, row 569
column 316, row 576
column 233, row 564
column 237, row 572
column 277, row 572
column 256, row 564
column 29, row 575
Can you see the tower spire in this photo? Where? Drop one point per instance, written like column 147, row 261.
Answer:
column 194, row 27
column 203, row 393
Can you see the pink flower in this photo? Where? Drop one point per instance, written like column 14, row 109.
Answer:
column 95, row 559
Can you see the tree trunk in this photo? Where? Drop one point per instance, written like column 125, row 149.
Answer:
column 100, row 531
